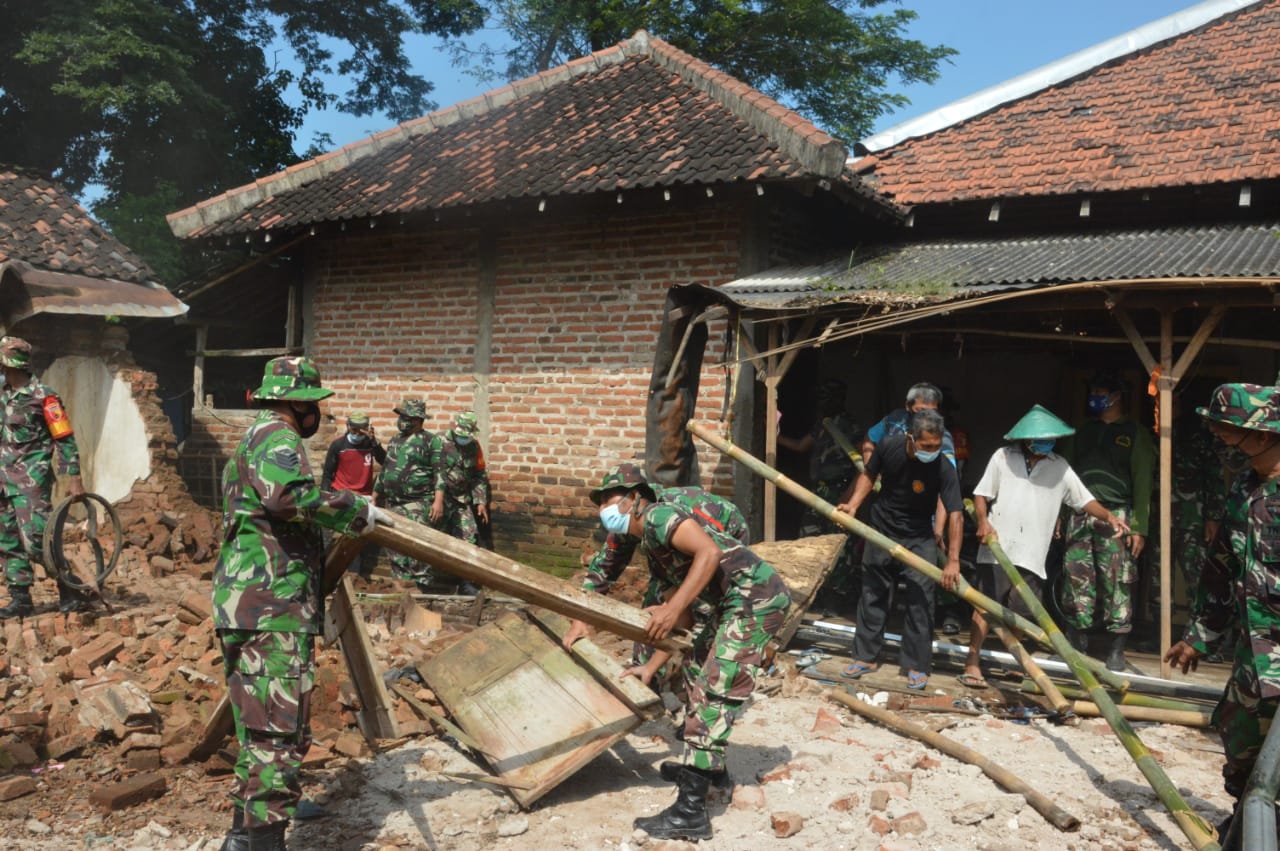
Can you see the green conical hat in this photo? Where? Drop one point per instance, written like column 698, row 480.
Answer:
column 1039, row 424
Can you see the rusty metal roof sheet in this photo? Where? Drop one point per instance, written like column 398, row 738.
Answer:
column 26, row 291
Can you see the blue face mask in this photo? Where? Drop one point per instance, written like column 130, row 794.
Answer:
column 1040, row 447
column 927, row 457
column 1098, row 403
column 614, row 520
column 462, row 439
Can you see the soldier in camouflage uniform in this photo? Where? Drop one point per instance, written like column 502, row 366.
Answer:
column 407, row 482
column 1114, row 457
column 1199, row 494
column 748, row 602
column 1237, row 584
column 462, row 484
column 267, row 605
column 831, row 470
column 33, row 433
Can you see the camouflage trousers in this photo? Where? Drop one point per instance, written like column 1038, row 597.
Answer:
column 402, row 566
column 699, row 634
column 270, row 676
column 721, row 677
column 459, row 521
column 1242, row 718
column 23, row 517
column 1099, row 575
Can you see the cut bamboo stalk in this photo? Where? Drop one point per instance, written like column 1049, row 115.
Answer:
column 1052, row 813
column 1060, row 704
column 1129, row 698
column 963, row 590
column 1089, row 709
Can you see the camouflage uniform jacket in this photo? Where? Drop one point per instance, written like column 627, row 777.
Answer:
column 830, row 467
column 1241, row 579
column 460, row 470
column 27, row 449
column 407, row 474
column 712, row 511
column 1199, row 492
column 269, row 568
column 740, row 576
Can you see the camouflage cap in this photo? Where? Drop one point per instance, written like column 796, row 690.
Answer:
column 1252, row 406
column 623, row 477
column 291, row 378
column 358, row 419
column 1039, row 423
column 15, row 353
column 412, row 408
column 465, row 423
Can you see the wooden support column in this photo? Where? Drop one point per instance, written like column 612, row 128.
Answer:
column 197, row 379
column 771, row 380
column 1164, row 387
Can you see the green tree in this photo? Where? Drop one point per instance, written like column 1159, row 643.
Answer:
column 166, row 102
column 831, row 60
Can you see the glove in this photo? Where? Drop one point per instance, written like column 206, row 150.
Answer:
column 373, row 515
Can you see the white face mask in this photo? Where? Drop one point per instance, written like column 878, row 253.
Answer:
column 614, row 520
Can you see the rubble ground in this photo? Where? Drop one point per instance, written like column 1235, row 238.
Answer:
column 100, row 711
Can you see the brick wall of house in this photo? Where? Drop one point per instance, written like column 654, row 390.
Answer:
column 577, row 307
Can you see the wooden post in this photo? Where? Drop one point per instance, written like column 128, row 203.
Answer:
column 197, row 378
column 1164, row 387
column 772, row 377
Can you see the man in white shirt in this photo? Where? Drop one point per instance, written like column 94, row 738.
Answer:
column 1024, row 486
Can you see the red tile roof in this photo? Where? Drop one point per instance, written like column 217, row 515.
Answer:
column 43, row 226
column 1200, row 108
column 640, row 114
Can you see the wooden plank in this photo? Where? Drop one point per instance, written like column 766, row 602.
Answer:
column 538, row 713
column 376, row 716
column 804, row 565
column 498, row 572
column 439, row 720
column 608, row 672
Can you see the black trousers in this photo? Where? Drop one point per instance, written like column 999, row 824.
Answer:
column 880, row 573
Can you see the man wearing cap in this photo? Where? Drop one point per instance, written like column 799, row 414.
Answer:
column 1017, row 503
column 748, row 602
column 348, row 465
column 267, row 595
column 1238, row 580
column 35, row 436
column 461, row 483
column 1115, row 458
column 407, row 482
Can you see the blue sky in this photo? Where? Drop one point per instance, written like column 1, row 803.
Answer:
column 997, row 40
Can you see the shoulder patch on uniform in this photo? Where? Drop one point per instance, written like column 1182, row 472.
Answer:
column 285, row 457
column 1124, row 440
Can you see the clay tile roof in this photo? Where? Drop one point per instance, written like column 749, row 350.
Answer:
column 42, row 226
column 1201, row 107
column 640, row 114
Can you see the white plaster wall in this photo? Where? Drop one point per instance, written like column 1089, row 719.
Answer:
column 108, row 426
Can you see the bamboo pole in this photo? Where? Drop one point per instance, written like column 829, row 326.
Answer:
column 1185, row 718
column 1060, row 704
column 825, row 509
column 1195, row 828
column 1129, row 698
column 1052, row 813
column 846, row 445
column 1164, row 391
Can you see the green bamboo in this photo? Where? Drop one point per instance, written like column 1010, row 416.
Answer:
column 1195, row 828
column 963, row 589
column 844, row 443
column 1048, row 688
column 1129, row 698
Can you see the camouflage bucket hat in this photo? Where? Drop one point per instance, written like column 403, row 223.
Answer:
column 15, row 352
column 412, row 408
column 465, row 423
column 358, row 419
column 1252, row 406
column 291, row 378
column 623, row 477
column 1039, row 424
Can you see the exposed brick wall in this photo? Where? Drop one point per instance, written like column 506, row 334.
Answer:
column 577, row 309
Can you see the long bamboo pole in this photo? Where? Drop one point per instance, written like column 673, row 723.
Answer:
column 1060, row 704
column 1195, row 828
column 1129, row 698
column 963, row 590
column 1183, row 718
column 1054, row 814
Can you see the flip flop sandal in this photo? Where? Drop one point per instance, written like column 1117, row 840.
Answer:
column 972, row 681
column 917, row 681
column 857, row 669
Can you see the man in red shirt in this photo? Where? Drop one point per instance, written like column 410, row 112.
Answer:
column 348, row 465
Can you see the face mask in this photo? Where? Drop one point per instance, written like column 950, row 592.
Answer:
column 357, row 439
column 927, row 457
column 1098, row 404
column 462, row 439
column 307, row 416
column 1040, row 447
column 614, row 520
column 404, row 424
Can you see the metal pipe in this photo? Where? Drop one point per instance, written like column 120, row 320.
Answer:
column 1256, row 815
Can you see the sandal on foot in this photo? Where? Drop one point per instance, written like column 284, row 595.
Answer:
column 916, row 681
column 974, row 681
column 857, row 669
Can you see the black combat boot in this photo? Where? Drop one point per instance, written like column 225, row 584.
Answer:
column 687, row 817
column 237, row 838
column 1079, row 639
column 1115, row 656
column 670, row 771
column 268, row 837
column 72, row 599
column 20, row 605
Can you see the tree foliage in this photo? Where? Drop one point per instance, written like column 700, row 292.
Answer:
column 832, row 60
column 166, row 102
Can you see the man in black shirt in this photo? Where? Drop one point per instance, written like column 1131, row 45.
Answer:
column 912, row 480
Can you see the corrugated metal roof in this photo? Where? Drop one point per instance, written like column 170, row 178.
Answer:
column 26, row 291
column 940, row 271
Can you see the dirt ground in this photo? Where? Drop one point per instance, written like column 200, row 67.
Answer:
column 798, row 762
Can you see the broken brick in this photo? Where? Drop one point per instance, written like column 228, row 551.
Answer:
column 910, row 824
column 786, row 824
column 16, row 787
column 126, row 793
